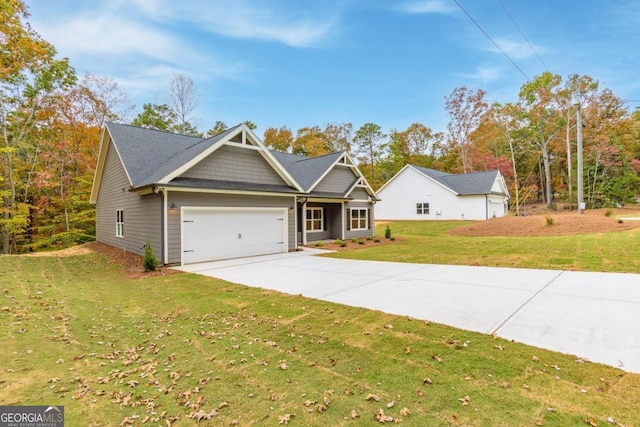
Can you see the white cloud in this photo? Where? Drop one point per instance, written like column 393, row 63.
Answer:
column 248, row 19
column 516, row 49
column 427, row 6
column 484, row 74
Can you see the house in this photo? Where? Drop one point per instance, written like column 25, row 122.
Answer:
column 228, row 196
column 417, row 193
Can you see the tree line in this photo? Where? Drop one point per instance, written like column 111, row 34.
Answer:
column 51, row 121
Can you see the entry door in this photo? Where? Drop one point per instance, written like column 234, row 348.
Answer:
column 220, row 233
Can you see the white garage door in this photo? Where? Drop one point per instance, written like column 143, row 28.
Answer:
column 221, row 233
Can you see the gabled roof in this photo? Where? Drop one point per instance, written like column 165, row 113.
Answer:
column 154, row 157
column 467, row 184
column 307, row 170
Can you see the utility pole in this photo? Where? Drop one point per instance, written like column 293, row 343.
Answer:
column 581, row 205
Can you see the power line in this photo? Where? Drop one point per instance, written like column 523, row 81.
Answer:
column 523, row 36
column 491, row 40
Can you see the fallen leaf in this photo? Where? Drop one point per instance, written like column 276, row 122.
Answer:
column 465, row 400
column 321, row 408
column 391, row 404
column 354, row 414
column 405, row 412
column 283, row 365
column 380, row 416
column 407, row 350
column 436, row 358
column 535, row 359
column 372, row 396
column 427, row 380
column 284, row 419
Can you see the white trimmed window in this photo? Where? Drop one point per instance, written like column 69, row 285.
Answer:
column 422, row 208
column 119, row 222
column 359, row 219
column 315, row 220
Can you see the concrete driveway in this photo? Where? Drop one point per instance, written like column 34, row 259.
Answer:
column 594, row 316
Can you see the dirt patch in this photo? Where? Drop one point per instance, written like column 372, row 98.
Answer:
column 131, row 263
column 551, row 224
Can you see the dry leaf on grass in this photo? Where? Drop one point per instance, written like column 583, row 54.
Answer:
column 284, row 419
column 381, row 417
column 373, row 397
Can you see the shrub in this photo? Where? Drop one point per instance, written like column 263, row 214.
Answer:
column 149, row 262
column 319, row 244
column 620, row 221
column 608, row 213
column 343, row 244
column 387, row 232
column 370, row 238
column 376, row 240
column 549, row 220
column 355, row 240
column 393, row 239
column 339, row 242
column 361, row 242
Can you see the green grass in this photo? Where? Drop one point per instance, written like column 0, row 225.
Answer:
column 428, row 242
column 116, row 351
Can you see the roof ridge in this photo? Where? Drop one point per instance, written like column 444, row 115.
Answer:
column 153, row 130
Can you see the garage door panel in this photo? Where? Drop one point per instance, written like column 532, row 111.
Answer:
column 212, row 234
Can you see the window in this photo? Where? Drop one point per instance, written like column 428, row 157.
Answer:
column 314, row 219
column 422, row 208
column 359, row 219
column 120, row 223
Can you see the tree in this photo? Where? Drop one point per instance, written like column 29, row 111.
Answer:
column 310, row 141
column 279, row 139
column 156, row 116
column 368, row 140
column 465, row 109
column 339, row 136
column 217, row 129
column 182, row 99
column 541, row 100
column 29, row 75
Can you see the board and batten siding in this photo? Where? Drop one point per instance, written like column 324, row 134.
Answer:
column 141, row 213
column 235, row 164
column 181, row 199
column 336, row 181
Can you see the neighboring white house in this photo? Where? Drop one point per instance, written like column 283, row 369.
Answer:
column 417, row 193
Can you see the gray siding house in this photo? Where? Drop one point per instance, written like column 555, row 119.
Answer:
column 228, row 196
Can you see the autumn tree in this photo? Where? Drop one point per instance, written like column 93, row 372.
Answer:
column 339, row 136
column 279, row 139
column 29, row 75
column 310, row 141
column 465, row 108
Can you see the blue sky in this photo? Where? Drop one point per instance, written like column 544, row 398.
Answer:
column 303, row 63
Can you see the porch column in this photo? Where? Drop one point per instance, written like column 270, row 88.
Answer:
column 304, row 224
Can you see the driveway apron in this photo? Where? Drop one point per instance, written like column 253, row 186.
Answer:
column 591, row 315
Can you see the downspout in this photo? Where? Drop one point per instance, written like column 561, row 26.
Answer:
column 163, row 223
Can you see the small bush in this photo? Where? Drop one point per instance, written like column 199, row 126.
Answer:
column 393, row 239
column 149, row 262
column 343, row 244
column 355, row 240
column 608, row 213
column 387, row 232
column 376, row 240
column 338, row 242
column 620, row 221
column 361, row 242
column 319, row 244
column 549, row 221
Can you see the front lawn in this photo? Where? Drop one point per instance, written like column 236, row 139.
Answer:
column 187, row 350
column 427, row 242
